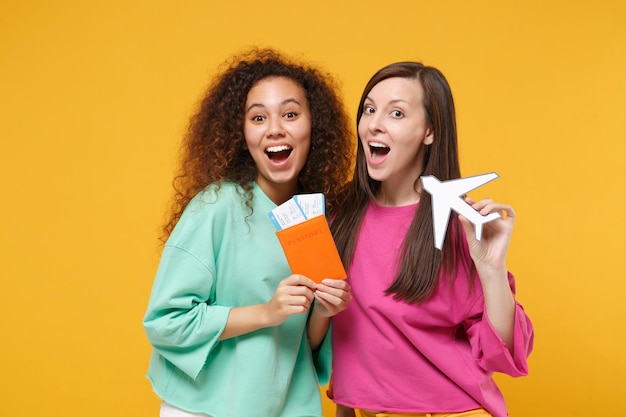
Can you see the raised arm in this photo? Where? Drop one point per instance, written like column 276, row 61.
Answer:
column 489, row 256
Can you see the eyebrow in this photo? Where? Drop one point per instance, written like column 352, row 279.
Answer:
column 282, row 103
column 391, row 102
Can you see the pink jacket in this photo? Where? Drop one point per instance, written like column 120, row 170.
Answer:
column 437, row 356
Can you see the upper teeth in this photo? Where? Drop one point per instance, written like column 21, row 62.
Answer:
column 278, row 148
column 378, row 145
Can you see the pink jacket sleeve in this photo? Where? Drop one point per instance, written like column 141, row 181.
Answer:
column 488, row 348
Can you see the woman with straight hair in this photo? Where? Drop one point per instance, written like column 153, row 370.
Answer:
column 426, row 328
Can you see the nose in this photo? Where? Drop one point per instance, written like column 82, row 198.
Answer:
column 375, row 123
column 275, row 127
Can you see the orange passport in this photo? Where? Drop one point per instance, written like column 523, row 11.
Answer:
column 311, row 251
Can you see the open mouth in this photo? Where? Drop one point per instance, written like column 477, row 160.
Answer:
column 278, row 153
column 378, row 149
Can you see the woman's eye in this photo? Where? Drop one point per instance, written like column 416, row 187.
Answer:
column 369, row 110
column 290, row 115
column 397, row 113
column 257, row 119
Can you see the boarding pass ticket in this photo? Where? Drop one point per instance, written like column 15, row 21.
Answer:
column 297, row 209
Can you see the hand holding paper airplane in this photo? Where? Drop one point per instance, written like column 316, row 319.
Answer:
column 448, row 196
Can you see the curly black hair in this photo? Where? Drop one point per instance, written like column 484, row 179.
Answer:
column 213, row 148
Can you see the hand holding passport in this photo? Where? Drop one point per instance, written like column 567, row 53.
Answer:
column 305, row 237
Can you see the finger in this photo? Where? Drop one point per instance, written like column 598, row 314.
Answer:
column 502, row 209
column 290, row 294
column 301, row 291
column 297, row 309
column 340, row 293
column 297, row 279
column 339, row 284
column 328, row 300
column 333, row 296
column 480, row 205
column 509, row 211
column 329, row 307
column 299, row 301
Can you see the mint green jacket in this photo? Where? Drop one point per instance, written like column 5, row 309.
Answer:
column 218, row 257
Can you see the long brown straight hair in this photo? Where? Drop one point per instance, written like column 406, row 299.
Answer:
column 420, row 263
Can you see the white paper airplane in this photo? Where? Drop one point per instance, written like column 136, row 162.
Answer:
column 448, row 196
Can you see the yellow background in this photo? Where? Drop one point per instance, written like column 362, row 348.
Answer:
column 94, row 97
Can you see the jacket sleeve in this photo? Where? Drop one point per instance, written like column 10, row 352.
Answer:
column 180, row 322
column 322, row 358
column 490, row 350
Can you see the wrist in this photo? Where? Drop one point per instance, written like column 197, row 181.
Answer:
column 264, row 316
column 492, row 272
column 319, row 312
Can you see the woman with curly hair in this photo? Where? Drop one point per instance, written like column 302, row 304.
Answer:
column 234, row 332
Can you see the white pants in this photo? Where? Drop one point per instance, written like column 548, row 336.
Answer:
column 168, row 410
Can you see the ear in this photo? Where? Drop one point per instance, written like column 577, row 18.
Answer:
column 429, row 138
